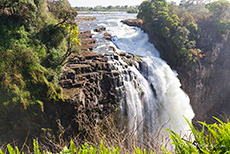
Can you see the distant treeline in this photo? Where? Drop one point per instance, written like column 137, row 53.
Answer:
column 129, row 9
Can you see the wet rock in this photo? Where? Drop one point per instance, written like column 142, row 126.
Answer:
column 107, row 36
column 111, row 47
column 85, row 35
column 133, row 22
column 87, row 42
column 89, row 85
column 99, row 29
column 116, row 57
column 66, row 83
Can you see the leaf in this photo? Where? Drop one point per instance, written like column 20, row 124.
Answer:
column 72, row 147
column 10, row 149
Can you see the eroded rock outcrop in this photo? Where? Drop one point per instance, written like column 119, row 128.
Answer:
column 89, row 84
column 99, row 29
column 107, row 36
column 87, row 42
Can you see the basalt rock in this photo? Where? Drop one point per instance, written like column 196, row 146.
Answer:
column 99, row 29
column 87, row 42
column 107, row 36
column 133, row 22
column 89, row 85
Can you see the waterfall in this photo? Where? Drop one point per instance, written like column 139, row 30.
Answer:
column 149, row 93
column 152, row 90
column 150, row 96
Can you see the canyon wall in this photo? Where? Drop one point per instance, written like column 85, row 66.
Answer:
column 208, row 85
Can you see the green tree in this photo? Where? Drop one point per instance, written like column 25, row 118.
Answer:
column 21, row 11
column 219, row 9
column 180, row 37
column 146, row 11
column 63, row 11
column 161, row 5
column 172, row 23
column 72, row 40
column 192, row 27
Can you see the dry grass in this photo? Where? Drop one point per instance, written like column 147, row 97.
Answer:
column 110, row 133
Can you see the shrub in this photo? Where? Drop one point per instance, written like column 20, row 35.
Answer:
column 212, row 138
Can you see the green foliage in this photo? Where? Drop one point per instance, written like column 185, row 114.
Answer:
column 220, row 15
column 33, row 45
column 161, row 5
column 192, row 27
column 21, row 11
column 146, row 11
column 63, row 11
column 212, row 138
column 178, row 34
column 219, row 8
column 132, row 10
column 84, row 149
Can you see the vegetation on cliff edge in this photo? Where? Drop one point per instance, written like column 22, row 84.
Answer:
column 178, row 27
column 37, row 36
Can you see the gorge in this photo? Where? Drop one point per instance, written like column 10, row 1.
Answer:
column 93, row 77
column 147, row 91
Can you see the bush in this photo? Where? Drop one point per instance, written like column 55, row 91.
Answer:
column 33, row 45
column 132, row 10
column 212, row 138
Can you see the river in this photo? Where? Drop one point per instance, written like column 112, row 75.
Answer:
column 153, row 98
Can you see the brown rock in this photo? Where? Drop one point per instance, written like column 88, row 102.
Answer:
column 107, row 36
column 99, row 29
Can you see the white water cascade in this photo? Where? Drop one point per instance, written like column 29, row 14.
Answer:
column 151, row 96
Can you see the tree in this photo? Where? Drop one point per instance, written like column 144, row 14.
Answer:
column 63, row 11
column 192, row 27
column 161, row 5
column 180, row 37
column 146, row 11
column 72, row 40
column 220, row 11
column 21, row 11
column 219, row 8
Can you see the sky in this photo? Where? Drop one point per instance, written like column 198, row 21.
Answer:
column 93, row 3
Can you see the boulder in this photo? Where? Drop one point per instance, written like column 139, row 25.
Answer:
column 99, row 29
column 107, row 36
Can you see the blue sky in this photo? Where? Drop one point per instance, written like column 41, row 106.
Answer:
column 92, row 3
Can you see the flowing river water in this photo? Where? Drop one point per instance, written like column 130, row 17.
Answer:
column 151, row 97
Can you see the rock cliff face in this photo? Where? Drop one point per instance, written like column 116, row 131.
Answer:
column 208, row 86
column 89, row 84
column 92, row 86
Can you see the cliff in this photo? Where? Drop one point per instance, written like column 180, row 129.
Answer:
column 208, row 84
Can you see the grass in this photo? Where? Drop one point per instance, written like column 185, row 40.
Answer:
column 213, row 138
